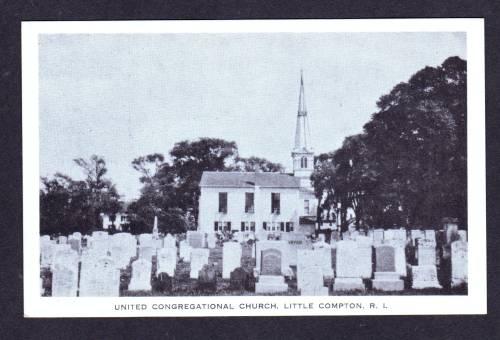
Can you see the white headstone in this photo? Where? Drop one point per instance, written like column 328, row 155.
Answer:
column 167, row 261
column 211, row 240
column 231, row 258
column 199, row 257
column 65, row 273
column 312, row 284
column 353, row 260
column 459, row 263
column 184, row 251
column 462, row 234
column 426, row 253
column 169, row 241
column 416, row 234
column 424, row 277
column 141, row 275
column 147, row 252
column 145, row 240
column 100, row 278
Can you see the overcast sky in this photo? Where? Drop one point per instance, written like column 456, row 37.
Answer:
column 123, row 96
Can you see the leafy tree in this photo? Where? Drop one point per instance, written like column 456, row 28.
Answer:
column 68, row 205
column 171, row 189
column 256, row 164
column 409, row 165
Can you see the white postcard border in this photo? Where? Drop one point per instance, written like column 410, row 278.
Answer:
column 474, row 303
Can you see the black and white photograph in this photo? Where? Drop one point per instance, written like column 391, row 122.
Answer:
column 256, row 167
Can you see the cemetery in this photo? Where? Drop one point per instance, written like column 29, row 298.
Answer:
column 379, row 261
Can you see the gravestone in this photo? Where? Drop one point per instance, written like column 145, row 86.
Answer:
column 196, row 239
column 270, row 279
column 462, row 234
column 399, row 246
column 239, row 279
column 207, row 279
column 231, row 258
column 75, row 244
column 385, row 259
column 459, row 263
column 147, row 252
column 199, row 257
column 141, row 275
column 296, row 241
column 46, row 254
column 386, row 277
column 426, row 253
column 282, row 246
column 305, row 259
column 64, row 280
column 415, row 235
column 211, row 240
column 430, row 235
column 120, row 255
column 100, row 278
column 350, row 266
column 270, row 262
column 145, row 240
column 166, row 261
column 378, row 236
column 65, row 273
column 450, row 227
column 312, row 283
column 169, row 241
column 184, row 251
column 62, row 240
column 164, row 283
column 324, row 260
column 424, row 277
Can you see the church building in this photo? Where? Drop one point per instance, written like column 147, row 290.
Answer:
column 263, row 201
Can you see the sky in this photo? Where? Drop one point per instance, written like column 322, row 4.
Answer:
column 126, row 95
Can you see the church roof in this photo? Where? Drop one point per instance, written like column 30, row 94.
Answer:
column 248, row 179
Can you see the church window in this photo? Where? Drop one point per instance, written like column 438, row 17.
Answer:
column 306, row 207
column 223, row 202
column 249, row 202
column 303, row 162
column 275, row 202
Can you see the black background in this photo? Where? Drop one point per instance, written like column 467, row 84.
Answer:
column 14, row 325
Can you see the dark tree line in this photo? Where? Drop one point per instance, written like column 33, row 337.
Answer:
column 170, row 189
column 68, row 205
column 409, row 166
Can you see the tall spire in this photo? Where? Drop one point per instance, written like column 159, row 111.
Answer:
column 302, row 128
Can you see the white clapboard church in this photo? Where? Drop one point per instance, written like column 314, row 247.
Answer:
column 263, row 201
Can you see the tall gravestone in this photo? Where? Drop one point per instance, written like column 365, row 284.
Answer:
column 459, row 263
column 199, row 257
column 166, row 261
column 47, row 249
column 271, row 279
column 386, row 277
column 141, row 275
column 426, row 253
column 282, row 246
column 211, row 240
column 231, row 258
column 350, row 266
column 100, row 278
column 65, row 273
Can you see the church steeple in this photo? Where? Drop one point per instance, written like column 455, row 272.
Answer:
column 302, row 154
column 302, row 127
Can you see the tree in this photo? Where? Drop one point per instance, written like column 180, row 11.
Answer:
column 256, row 164
column 68, row 205
column 171, row 189
column 409, row 165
